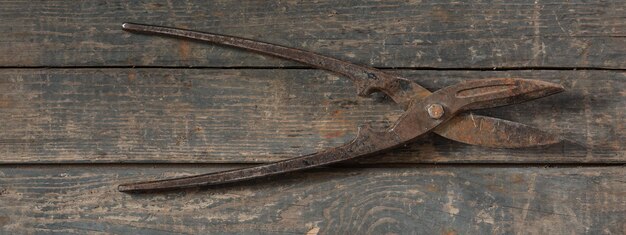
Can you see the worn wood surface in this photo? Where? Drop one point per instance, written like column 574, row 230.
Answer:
column 395, row 33
column 419, row 200
column 238, row 116
column 81, row 101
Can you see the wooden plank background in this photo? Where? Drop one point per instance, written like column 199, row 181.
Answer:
column 85, row 106
column 419, row 200
column 248, row 115
column 396, row 33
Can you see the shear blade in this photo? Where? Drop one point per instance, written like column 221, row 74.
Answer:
column 494, row 132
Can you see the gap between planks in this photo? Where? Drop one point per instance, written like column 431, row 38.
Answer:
column 524, row 68
column 336, row 166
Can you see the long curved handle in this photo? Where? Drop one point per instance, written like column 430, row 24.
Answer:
column 366, row 79
column 367, row 142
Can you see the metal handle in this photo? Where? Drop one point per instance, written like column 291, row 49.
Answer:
column 366, row 79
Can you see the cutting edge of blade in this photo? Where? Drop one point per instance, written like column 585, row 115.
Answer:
column 495, row 133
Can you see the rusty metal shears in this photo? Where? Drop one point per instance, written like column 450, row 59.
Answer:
column 425, row 111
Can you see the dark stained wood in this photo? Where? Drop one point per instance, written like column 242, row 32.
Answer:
column 244, row 116
column 420, row 200
column 91, row 107
column 393, row 33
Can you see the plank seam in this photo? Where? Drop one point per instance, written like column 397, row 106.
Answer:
column 306, row 67
column 338, row 165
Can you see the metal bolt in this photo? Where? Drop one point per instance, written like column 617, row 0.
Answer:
column 435, row 111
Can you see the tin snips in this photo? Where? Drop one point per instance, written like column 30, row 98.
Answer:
column 441, row 112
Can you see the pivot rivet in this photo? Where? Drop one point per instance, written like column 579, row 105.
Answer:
column 435, row 111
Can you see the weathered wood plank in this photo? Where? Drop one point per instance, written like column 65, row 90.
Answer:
column 206, row 115
column 420, row 200
column 395, row 33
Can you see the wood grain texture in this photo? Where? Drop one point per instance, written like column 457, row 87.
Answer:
column 397, row 33
column 93, row 108
column 245, row 116
column 421, row 200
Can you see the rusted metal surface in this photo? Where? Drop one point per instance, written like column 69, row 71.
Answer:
column 424, row 111
column 517, row 135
